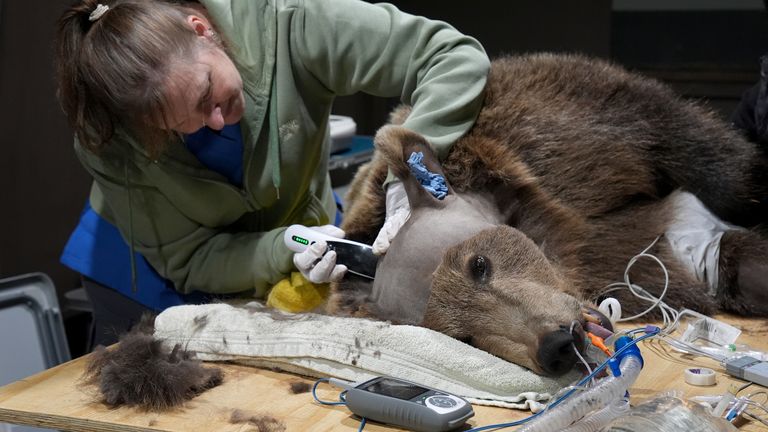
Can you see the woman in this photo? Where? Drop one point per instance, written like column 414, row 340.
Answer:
column 205, row 127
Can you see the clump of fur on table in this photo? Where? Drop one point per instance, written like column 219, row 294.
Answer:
column 263, row 423
column 141, row 371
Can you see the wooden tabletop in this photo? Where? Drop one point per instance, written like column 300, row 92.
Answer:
column 57, row 399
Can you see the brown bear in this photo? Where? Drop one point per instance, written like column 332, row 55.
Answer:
column 573, row 167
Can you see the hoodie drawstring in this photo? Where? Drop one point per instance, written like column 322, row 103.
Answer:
column 274, row 136
column 130, row 229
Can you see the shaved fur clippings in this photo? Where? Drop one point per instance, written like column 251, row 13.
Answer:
column 144, row 372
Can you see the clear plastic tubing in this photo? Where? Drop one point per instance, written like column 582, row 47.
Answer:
column 606, row 391
column 602, row 417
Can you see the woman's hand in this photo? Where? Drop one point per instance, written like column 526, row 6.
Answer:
column 398, row 211
column 316, row 263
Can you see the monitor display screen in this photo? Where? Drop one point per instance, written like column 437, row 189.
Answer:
column 395, row 389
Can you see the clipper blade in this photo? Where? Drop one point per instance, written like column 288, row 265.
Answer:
column 358, row 257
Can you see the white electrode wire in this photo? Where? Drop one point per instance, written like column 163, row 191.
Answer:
column 746, row 403
column 758, row 393
column 752, row 414
column 739, row 406
column 645, row 294
column 669, row 314
column 755, row 403
column 690, row 348
column 756, row 418
column 578, row 354
column 584, row 362
column 749, row 403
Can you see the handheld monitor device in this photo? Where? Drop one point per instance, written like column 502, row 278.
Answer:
column 412, row 406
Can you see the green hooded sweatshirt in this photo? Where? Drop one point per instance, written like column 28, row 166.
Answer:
column 295, row 56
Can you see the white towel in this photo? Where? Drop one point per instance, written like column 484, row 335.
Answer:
column 353, row 349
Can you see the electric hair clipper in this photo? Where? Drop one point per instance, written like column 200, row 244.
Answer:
column 358, row 257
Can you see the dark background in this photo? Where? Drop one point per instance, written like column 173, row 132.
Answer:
column 706, row 49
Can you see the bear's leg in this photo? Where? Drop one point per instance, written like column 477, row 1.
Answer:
column 743, row 277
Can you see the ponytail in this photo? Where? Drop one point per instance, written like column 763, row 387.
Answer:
column 72, row 28
column 110, row 70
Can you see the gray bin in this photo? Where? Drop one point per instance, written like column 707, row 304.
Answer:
column 32, row 337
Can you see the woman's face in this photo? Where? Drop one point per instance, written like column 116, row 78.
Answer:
column 205, row 90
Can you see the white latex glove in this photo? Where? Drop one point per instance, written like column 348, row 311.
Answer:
column 398, row 211
column 315, row 264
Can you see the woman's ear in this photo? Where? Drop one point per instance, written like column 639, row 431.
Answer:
column 200, row 25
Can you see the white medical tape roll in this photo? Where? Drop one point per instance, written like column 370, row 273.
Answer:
column 700, row 376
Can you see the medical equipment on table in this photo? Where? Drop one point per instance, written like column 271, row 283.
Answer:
column 605, row 392
column 699, row 376
column 605, row 402
column 701, row 335
column 403, row 403
column 668, row 414
column 748, row 368
column 731, row 406
column 358, row 257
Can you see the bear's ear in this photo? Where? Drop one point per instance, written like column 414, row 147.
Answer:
column 397, row 145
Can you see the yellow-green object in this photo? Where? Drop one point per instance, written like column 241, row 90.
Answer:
column 296, row 294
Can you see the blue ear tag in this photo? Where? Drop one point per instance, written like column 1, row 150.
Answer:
column 434, row 183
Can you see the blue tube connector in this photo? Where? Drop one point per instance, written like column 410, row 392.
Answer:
column 632, row 350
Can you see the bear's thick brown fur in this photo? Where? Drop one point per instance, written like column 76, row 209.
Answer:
column 586, row 155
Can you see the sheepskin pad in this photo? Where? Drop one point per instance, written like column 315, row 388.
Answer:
column 353, row 349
